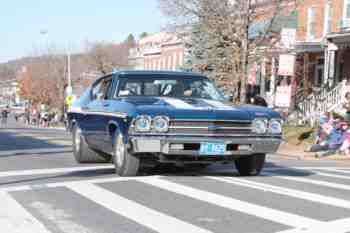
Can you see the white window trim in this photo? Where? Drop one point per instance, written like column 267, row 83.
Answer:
column 308, row 23
column 346, row 20
column 327, row 8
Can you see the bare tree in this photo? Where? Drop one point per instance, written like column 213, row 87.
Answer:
column 229, row 22
column 104, row 57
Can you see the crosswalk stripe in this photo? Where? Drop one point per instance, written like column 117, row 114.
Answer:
column 340, row 170
column 53, row 171
column 65, row 183
column 234, row 204
column 309, row 181
column 134, row 211
column 337, row 226
column 304, row 168
column 15, row 219
column 332, row 175
column 323, row 173
column 287, row 192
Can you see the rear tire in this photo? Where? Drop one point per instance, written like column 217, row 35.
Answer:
column 81, row 151
column 251, row 165
column 125, row 163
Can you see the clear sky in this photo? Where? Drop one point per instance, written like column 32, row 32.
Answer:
column 72, row 22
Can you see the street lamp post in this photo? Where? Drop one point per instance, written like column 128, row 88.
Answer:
column 69, row 89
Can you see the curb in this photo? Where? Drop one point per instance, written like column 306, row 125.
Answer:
column 311, row 156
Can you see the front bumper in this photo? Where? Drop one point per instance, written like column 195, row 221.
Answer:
column 235, row 145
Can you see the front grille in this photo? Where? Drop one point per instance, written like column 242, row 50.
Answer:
column 210, row 127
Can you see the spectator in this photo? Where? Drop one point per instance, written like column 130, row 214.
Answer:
column 333, row 142
column 346, row 106
column 4, row 115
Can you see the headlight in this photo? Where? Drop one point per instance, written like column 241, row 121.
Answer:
column 275, row 126
column 161, row 124
column 143, row 124
column 260, row 126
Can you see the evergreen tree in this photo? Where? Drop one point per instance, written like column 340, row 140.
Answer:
column 143, row 35
column 130, row 40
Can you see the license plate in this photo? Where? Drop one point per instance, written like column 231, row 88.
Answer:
column 212, row 149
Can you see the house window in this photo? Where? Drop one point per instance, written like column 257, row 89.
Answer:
column 328, row 18
column 311, row 23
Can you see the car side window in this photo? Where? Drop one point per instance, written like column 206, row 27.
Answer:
column 100, row 89
column 131, row 89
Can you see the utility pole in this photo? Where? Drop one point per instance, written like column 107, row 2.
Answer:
column 69, row 70
column 245, row 50
column 69, row 89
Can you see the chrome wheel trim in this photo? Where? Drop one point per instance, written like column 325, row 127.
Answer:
column 120, row 151
column 77, row 140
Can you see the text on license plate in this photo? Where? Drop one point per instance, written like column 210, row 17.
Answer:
column 212, row 148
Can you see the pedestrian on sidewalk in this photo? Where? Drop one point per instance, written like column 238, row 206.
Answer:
column 4, row 115
column 346, row 106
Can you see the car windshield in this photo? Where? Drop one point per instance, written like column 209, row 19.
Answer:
column 169, row 87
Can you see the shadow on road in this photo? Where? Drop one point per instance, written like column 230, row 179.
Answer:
column 271, row 169
column 18, row 139
column 51, row 152
column 166, row 171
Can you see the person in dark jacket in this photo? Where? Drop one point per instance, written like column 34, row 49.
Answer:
column 4, row 115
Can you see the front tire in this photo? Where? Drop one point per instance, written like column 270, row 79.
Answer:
column 125, row 163
column 81, row 151
column 250, row 165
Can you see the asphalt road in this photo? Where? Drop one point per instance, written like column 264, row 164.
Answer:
column 42, row 189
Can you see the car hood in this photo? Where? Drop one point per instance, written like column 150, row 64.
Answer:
column 194, row 108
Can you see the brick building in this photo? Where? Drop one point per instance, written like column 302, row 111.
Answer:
column 321, row 48
column 323, row 41
column 161, row 51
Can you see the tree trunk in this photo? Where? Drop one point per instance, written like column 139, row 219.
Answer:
column 245, row 53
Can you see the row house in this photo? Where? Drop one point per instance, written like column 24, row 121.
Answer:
column 323, row 55
column 160, row 51
column 313, row 53
column 319, row 21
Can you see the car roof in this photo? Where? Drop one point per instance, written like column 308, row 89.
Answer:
column 138, row 73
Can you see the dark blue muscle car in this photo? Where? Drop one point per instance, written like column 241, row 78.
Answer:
column 146, row 117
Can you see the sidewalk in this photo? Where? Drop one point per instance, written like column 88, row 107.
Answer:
column 297, row 152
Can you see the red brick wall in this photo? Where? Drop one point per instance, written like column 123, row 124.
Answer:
column 320, row 14
column 171, row 58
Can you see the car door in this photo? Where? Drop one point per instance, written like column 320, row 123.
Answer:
column 96, row 117
column 108, row 103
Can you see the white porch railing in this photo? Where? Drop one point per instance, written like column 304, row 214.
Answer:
column 315, row 105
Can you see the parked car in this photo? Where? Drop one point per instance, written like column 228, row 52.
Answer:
column 136, row 117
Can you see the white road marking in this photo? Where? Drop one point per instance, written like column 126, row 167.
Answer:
column 65, row 183
column 286, row 191
column 59, row 217
column 134, row 211
column 304, row 168
column 310, row 181
column 53, row 171
column 332, row 175
column 337, row 226
column 234, row 204
column 318, row 173
column 15, row 219
column 339, row 170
